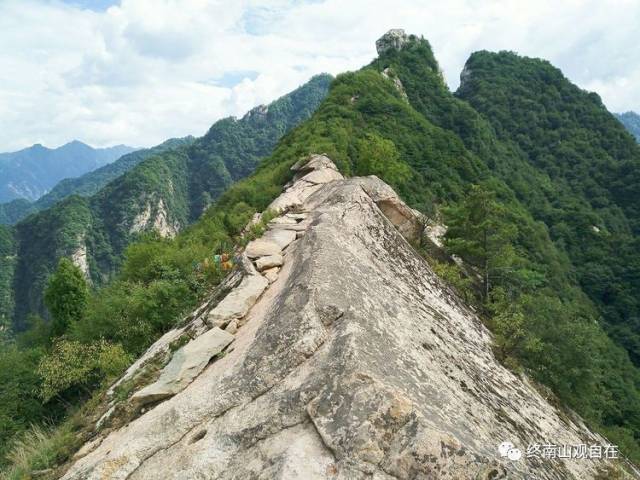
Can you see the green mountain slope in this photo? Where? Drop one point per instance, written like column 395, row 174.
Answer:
column 7, row 264
column 85, row 185
column 587, row 176
column 31, row 172
column 163, row 193
column 631, row 121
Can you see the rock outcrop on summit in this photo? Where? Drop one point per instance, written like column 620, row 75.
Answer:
column 350, row 359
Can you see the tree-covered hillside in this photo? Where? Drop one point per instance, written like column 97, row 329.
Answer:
column 85, row 185
column 631, row 121
column 585, row 178
column 33, row 171
column 165, row 192
column 7, row 263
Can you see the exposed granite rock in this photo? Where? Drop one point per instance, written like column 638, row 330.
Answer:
column 185, row 365
column 264, row 263
column 236, row 305
column 280, row 237
column 325, row 175
column 390, row 75
column 271, row 274
column 297, row 192
column 357, row 363
column 408, row 221
column 395, row 38
column 262, row 247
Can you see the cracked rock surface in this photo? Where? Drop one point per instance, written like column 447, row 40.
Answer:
column 355, row 363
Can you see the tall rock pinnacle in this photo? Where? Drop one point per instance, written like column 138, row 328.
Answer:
column 395, row 38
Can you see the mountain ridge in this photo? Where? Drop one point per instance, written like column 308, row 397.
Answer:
column 29, row 173
column 163, row 193
column 84, row 185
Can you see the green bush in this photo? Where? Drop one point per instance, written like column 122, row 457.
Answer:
column 72, row 366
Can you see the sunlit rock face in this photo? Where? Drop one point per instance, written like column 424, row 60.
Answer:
column 395, row 38
column 351, row 361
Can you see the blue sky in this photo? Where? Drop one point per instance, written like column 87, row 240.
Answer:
column 141, row 71
column 95, row 5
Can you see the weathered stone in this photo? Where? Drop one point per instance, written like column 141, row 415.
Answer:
column 232, row 328
column 238, row 302
column 358, row 363
column 185, row 365
column 88, row 447
column 264, row 263
column 395, row 38
column 313, row 162
column 408, row 221
column 271, row 274
column 325, row 175
column 284, row 220
column 281, row 237
column 261, row 247
column 298, row 227
column 296, row 216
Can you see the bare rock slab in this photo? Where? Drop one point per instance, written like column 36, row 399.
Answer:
column 262, row 247
column 264, row 263
column 282, row 238
column 238, row 302
column 185, row 365
column 325, row 175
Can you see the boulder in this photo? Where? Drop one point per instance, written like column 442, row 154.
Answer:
column 238, row 302
column 271, row 274
column 313, row 162
column 296, row 216
column 284, row 220
column 409, row 222
column 185, row 365
column 281, row 237
column 396, row 38
column 264, row 263
column 325, row 175
column 261, row 247
column 298, row 227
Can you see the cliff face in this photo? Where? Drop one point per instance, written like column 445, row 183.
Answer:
column 332, row 351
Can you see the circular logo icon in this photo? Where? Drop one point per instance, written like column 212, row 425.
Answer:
column 514, row 454
column 504, row 448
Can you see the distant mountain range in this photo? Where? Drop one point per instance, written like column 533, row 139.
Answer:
column 84, row 185
column 631, row 121
column 32, row 172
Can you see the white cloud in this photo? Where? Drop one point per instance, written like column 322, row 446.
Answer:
column 142, row 71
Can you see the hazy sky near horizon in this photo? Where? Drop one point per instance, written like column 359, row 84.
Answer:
column 141, row 71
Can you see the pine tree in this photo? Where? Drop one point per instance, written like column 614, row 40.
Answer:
column 479, row 233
